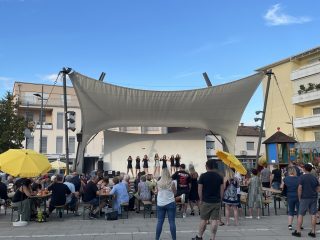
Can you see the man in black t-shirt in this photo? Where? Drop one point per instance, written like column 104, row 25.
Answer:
column 183, row 186
column 59, row 192
column 276, row 178
column 91, row 195
column 210, row 190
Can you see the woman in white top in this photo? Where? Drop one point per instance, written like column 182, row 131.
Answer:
column 166, row 189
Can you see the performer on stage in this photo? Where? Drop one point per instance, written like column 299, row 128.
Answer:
column 145, row 161
column 156, row 165
column 177, row 158
column 172, row 165
column 164, row 161
column 137, row 165
column 129, row 166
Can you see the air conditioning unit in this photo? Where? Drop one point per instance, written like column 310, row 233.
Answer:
column 243, row 152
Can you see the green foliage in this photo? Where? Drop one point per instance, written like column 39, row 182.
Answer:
column 302, row 87
column 12, row 126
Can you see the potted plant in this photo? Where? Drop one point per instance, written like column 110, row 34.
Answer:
column 310, row 87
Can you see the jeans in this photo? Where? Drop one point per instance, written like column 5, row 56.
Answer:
column 161, row 212
column 276, row 185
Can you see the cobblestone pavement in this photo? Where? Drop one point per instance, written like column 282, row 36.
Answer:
column 136, row 228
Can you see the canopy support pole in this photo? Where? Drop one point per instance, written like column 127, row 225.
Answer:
column 269, row 73
column 64, row 72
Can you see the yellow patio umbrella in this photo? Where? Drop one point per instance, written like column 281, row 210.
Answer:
column 58, row 165
column 231, row 161
column 24, row 163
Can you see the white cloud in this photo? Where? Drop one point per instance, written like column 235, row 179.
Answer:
column 276, row 17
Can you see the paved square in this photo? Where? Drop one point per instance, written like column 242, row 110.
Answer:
column 139, row 228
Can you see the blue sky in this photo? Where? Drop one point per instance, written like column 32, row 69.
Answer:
column 163, row 45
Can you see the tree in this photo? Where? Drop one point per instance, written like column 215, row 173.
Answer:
column 12, row 125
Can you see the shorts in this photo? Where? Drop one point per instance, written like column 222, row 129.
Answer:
column 308, row 204
column 210, row 211
column 276, row 185
column 266, row 184
column 186, row 192
column 94, row 202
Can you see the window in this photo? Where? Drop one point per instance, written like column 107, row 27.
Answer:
column 44, row 144
column 250, row 145
column 210, row 145
column 316, row 111
column 59, row 144
column 60, row 120
column 29, row 116
column 317, row 136
column 72, row 144
column 30, row 143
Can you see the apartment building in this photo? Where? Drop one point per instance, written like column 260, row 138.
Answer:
column 28, row 95
column 294, row 99
column 246, row 145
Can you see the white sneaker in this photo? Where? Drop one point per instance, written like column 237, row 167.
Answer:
column 184, row 215
column 250, row 217
column 183, row 198
column 231, row 218
column 258, row 217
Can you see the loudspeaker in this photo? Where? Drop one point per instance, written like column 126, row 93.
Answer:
column 100, row 165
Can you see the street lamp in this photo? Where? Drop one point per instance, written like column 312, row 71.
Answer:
column 41, row 115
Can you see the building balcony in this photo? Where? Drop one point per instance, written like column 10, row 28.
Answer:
column 307, row 122
column 305, row 71
column 30, row 101
column 306, row 98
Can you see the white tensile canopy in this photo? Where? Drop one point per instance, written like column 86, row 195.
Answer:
column 218, row 109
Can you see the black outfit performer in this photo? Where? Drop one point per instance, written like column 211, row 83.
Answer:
column 145, row 162
column 137, row 163
column 129, row 166
column 164, row 163
column 172, row 162
column 177, row 161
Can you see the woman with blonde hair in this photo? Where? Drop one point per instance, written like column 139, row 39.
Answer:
column 230, row 196
column 166, row 189
column 193, row 195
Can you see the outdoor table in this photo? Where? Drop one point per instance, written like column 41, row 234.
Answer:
column 105, row 196
column 42, row 198
column 276, row 194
